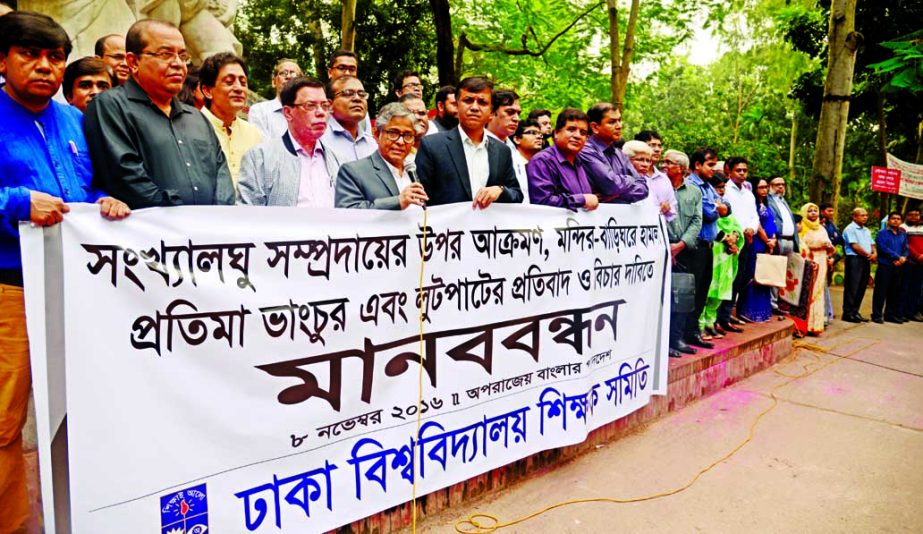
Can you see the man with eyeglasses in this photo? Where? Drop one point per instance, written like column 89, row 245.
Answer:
column 384, row 180
column 268, row 116
column 785, row 222
column 504, row 119
column 418, row 107
column 607, row 168
column 296, row 169
column 347, row 134
column 342, row 63
column 408, row 83
column 147, row 147
column 111, row 49
column 529, row 141
column 660, row 190
column 224, row 82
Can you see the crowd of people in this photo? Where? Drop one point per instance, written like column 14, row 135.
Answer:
column 140, row 130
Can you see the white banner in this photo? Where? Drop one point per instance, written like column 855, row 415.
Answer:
column 236, row 369
column 911, row 177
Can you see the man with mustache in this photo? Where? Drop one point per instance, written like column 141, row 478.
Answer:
column 347, row 134
column 224, row 82
column 147, row 147
column 464, row 164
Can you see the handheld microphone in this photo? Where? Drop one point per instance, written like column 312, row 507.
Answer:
column 411, row 168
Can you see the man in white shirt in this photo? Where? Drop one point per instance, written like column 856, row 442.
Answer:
column 743, row 205
column 296, row 169
column 268, row 116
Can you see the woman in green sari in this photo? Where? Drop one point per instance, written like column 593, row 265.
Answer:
column 724, row 270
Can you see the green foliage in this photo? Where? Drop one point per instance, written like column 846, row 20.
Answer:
column 905, row 67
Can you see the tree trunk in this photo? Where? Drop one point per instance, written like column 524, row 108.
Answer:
column 348, row 26
column 445, row 44
column 842, row 41
column 884, row 200
column 793, row 146
column 621, row 61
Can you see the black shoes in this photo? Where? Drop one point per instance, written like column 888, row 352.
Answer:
column 878, row 320
column 681, row 347
column 851, row 319
column 896, row 320
column 697, row 341
column 728, row 327
column 675, row 353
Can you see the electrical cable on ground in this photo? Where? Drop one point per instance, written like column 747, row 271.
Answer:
column 481, row 523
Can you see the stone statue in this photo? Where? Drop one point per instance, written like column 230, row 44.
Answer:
column 205, row 24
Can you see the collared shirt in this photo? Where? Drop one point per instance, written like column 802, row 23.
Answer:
column 519, row 166
column 891, row 246
column 610, row 174
column 554, row 181
column 242, row 136
column 268, row 118
column 402, row 179
column 44, row 151
column 145, row 158
column 743, row 203
column 709, row 208
column 661, row 190
column 788, row 221
column 344, row 147
column 477, row 160
column 687, row 224
column 860, row 235
column 315, row 190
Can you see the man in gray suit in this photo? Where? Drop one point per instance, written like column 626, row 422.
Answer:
column 464, row 164
column 296, row 169
column 784, row 217
column 383, row 180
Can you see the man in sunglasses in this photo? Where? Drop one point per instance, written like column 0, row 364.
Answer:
column 296, row 169
column 147, row 147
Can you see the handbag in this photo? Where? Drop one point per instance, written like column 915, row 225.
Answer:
column 770, row 270
column 682, row 292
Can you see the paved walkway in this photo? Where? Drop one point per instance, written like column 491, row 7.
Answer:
column 841, row 451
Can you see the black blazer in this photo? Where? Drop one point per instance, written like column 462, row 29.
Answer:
column 443, row 170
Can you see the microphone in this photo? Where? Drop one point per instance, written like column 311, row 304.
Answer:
column 411, row 168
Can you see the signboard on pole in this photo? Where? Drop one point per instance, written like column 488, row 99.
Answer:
column 885, row 180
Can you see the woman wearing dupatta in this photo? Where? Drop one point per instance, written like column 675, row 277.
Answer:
column 755, row 302
column 724, row 270
column 815, row 245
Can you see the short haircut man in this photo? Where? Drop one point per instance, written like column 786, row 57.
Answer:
column 267, row 116
column 543, row 117
column 416, row 105
column 348, row 133
column 147, row 147
column 784, row 218
column 528, row 141
column 295, row 169
column 504, row 118
column 42, row 169
column 611, row 176
column 464, row 164
column 342, row 63
column 554, row 177
column 86, row 78
column 111, row 49
column 446, row 109
column 224, row 83
column 408, row 83
column 384, row 180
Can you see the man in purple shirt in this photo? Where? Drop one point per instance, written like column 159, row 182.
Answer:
column 607, row 169
column 554, row 177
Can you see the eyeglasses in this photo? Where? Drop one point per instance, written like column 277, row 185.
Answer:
column 670, row 162
column 312, row 107
column 288, row 73
column 531, row 132
column 167, row 56
column 349, row 93
column 777, row 184
column 394, row 135
column 346, row 69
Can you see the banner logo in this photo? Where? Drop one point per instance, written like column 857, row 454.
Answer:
column 185, row 511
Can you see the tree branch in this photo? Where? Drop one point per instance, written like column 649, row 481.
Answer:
column 463, row 41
